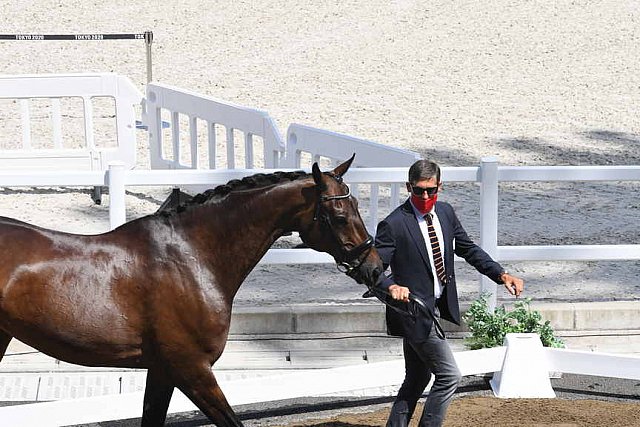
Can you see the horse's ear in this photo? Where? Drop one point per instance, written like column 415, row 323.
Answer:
column 317, row 175
column 344, row 167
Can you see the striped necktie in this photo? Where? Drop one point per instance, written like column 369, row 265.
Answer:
column 437, row 255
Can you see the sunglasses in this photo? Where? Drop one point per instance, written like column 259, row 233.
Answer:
column 419, row 191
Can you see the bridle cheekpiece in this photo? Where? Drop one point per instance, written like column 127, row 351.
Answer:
column 350, row 259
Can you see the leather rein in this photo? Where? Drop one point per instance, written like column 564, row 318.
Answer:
column 415, row 303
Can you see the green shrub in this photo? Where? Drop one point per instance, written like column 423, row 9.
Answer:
column 489, row 329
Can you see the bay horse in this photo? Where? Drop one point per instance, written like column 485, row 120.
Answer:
column 157, row 292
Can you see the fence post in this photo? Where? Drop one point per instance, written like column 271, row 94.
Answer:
column 489, row 220
column 116, row 180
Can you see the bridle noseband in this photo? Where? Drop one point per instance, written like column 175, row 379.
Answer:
column 350, row 259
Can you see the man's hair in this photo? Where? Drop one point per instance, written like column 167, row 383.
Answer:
column 424, row 169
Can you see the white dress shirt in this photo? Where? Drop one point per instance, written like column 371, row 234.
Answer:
column 422, row 223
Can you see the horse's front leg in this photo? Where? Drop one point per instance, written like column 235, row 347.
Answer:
column 157, row 396
column 200, row 385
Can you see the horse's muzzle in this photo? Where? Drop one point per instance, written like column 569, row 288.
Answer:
column 369, row 271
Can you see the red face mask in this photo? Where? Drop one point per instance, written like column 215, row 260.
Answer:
column 424, row 206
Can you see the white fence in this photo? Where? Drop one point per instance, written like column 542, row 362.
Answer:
column 205, row 133
column 53, row 102
column 246, row 135
column 167, row 151
column 521, row 369
column 317, row 144
column 488, row 175
column 193, row 131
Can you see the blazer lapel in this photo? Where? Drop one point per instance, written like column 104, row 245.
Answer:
column 447, row 233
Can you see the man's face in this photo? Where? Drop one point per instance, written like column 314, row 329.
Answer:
column 425, row 189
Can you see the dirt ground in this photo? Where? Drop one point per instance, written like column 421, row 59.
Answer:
column 492, row 412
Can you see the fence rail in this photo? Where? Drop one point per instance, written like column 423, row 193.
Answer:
column 488, row 175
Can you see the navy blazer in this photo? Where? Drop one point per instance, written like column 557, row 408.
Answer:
column 401, row 246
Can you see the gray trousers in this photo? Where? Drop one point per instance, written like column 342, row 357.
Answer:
column 421, row 360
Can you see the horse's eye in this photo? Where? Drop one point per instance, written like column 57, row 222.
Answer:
column 340, row 220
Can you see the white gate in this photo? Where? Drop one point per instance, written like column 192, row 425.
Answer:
column 193, row 131
column 96, row 111
column 211, row 124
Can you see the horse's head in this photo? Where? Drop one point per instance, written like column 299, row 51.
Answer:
column 337, row 228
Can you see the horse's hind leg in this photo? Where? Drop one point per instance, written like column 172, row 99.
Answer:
column 157, row 395
column 203, row 390
column 5, row 339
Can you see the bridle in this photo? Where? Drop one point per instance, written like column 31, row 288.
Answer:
column 350, row 259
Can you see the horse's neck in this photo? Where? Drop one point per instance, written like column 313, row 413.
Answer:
column 235, row 233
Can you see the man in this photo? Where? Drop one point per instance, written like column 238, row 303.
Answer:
column 418, row 241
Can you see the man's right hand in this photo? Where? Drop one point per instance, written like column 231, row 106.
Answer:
column 399, row 293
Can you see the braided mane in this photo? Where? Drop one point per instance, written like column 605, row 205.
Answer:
column 252, row 182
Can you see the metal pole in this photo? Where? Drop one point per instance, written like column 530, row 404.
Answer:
column 148, row 39
column 147, row 36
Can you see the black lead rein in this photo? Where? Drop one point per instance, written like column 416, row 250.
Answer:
column 382, row 295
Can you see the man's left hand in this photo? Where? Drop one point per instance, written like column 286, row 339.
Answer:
column 514, row 284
